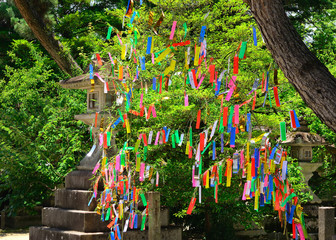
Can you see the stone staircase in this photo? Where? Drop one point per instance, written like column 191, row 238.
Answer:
column 73, row 219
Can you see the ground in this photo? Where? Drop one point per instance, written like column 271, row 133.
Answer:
column 14, row 235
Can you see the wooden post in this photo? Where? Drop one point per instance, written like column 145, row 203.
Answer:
column 154, row 218
column 3, row 216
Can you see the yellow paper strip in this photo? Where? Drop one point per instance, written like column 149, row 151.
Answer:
column 197, row 53
column 123, row 52
column 162, row 55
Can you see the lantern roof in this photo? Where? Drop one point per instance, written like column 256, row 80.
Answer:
column 304, row 139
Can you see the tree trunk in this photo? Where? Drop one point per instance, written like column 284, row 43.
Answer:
column 312, row 80
column 35, row 21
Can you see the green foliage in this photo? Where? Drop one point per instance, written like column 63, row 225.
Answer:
column 40, row 141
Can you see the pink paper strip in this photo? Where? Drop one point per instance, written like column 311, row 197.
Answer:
column 236, row 114
column 153, row 58
column 141, row 98
column 186, row 101
column 142, row 172
column 244, row 192
column 119, row 39
column 172, row 31
column 228, row 96
column 157, row 179
column 153, row 111
column 111, row 58
column 157, row 138
column 96, row 168
column 200, row 82
column 193, row 177
column 101, row 139
column 117, row 167
column 299, row 227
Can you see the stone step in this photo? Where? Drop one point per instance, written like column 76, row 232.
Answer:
column 46, row 233
column 78, row 220
column 74, row 199
column 79, row 180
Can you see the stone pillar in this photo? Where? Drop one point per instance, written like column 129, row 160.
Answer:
column 326, row 223
column 154, row 218
column 3, row 216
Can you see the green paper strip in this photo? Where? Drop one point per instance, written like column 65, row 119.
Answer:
column 177, row 137
column 242, row 50
column 91, row 133
column 287, row 199
column 215, row 189
column 145, row 153
column 108, row 214
column 173, row 141
column 122, row 159
column 206, row 147
column 143, row 199
column 283, row 131
column 231, row 114
column 252, row 185
column 220, row 173
column 122, row 119
column 112, row 69
column 190, row 136
column 269, row 97
column 135, row 37
column 185, row 29
column 109, row 31
column 143, row 222
column 108, row 138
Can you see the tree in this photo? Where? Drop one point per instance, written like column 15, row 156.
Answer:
column 313, row 81
column 35, row 19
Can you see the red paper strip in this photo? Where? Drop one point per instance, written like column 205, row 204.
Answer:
column 276, row 96
column 292, row 117
column 198, row 119
column 149, row 111
column 225, row 116
column 254, row 100
column 190, row 152
column 105, row 140
column 181, row 44
column 98, row 59
column 262, row 82
column 252, row 167
column 235, row 64
column 96, row 119
column 160, row 84
column 194, row 77
column 144, row 138
column 191, row 205
column 202, row 141
column 212, row 73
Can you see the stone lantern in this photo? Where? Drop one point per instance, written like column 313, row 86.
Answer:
column 302, row 142
column 98, row 101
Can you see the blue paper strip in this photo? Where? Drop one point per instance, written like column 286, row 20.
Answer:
column 262, row 200
column 233, row 137
column 154, row 83
column 296, row 120
column 222, row 142
column 143, row 61
column 290, row 219
column 112, row 235
column 256, row 157
column 116, row 122
column 255, row 41
column 273, row 152
column 135, row 221
column 248, row 123
column 132, row 18
column 91, row 71
column 213, row 150
column 267, row 81
column 149, row 45
column 202, row 33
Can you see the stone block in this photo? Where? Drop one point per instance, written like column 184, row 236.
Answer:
column 79, row 180
column 326, row 223
column 170, row 233
column 22, row 221
column 46, row 233
column 74, row 199
column 78, row 220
